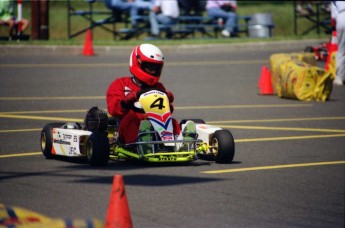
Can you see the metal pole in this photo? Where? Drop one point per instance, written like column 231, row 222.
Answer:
column 35, row 19
column 44, row 19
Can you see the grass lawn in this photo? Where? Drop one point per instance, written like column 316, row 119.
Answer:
column 282, row 13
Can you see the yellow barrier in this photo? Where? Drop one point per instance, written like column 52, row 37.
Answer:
column 296, row 76
column 22, row 218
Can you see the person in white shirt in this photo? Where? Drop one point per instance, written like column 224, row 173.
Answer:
column 226, row 11
column 132, row 6
column 338, row 12
column 165, row 13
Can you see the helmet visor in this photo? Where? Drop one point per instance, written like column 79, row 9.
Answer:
column 153, row 69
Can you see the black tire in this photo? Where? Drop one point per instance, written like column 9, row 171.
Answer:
column 47, row 139
column 98, row 149
column 225, row 146
column 197, row 121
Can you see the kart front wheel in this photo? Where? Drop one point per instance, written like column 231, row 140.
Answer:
column 223, row 146
column 98, row 149
column 47, row 139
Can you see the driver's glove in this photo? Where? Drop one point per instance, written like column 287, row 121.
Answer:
column 129, row 100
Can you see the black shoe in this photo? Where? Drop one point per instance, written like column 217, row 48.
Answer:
column 169, row 35
column 234, row 35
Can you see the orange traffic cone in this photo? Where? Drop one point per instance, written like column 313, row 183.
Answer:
column 88, row 48
column 118, row 211
column 263, row 72
column 265, row 82
column 332, row 47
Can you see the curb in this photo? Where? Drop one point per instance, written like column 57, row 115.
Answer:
column 6, row 50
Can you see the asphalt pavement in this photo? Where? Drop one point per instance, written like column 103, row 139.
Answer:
column 289, row 165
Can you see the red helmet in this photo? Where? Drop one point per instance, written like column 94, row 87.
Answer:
column 146, row 63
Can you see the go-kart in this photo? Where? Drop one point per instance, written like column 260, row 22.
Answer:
column 320, row 51
column 97, row 138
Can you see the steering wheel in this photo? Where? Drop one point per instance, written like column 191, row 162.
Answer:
column 136, row 107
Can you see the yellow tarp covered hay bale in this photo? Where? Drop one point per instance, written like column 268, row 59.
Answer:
column 276, row 60
column 302, row 81
column 305, row 57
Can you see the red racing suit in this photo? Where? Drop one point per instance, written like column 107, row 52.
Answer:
column 130, row 120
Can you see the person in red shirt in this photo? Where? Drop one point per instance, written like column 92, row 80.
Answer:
column 145, row 64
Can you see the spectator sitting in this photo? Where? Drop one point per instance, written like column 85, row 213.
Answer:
column 190, row 7
column 338, row 14
column 133, row 6
column 165, row 13
column 144, row 5
column 7, row 17
column 304, row 8
column 225, row 10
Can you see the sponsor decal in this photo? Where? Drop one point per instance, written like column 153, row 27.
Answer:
column 153, row 92
column 62, row 142
column 73, row 150
column 165, row 135
column 167, row 158
column 66, row 137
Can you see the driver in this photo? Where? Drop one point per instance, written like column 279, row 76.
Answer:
column 145, row 64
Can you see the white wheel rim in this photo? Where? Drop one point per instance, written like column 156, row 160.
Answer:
column 43, row 141
column 215, row 146
column 89, row 149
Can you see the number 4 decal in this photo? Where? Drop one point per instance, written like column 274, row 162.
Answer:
column 158, row 103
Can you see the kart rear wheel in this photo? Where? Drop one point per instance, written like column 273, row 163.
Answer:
column 98, row 149
column 223, row 146
column 47, row 139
